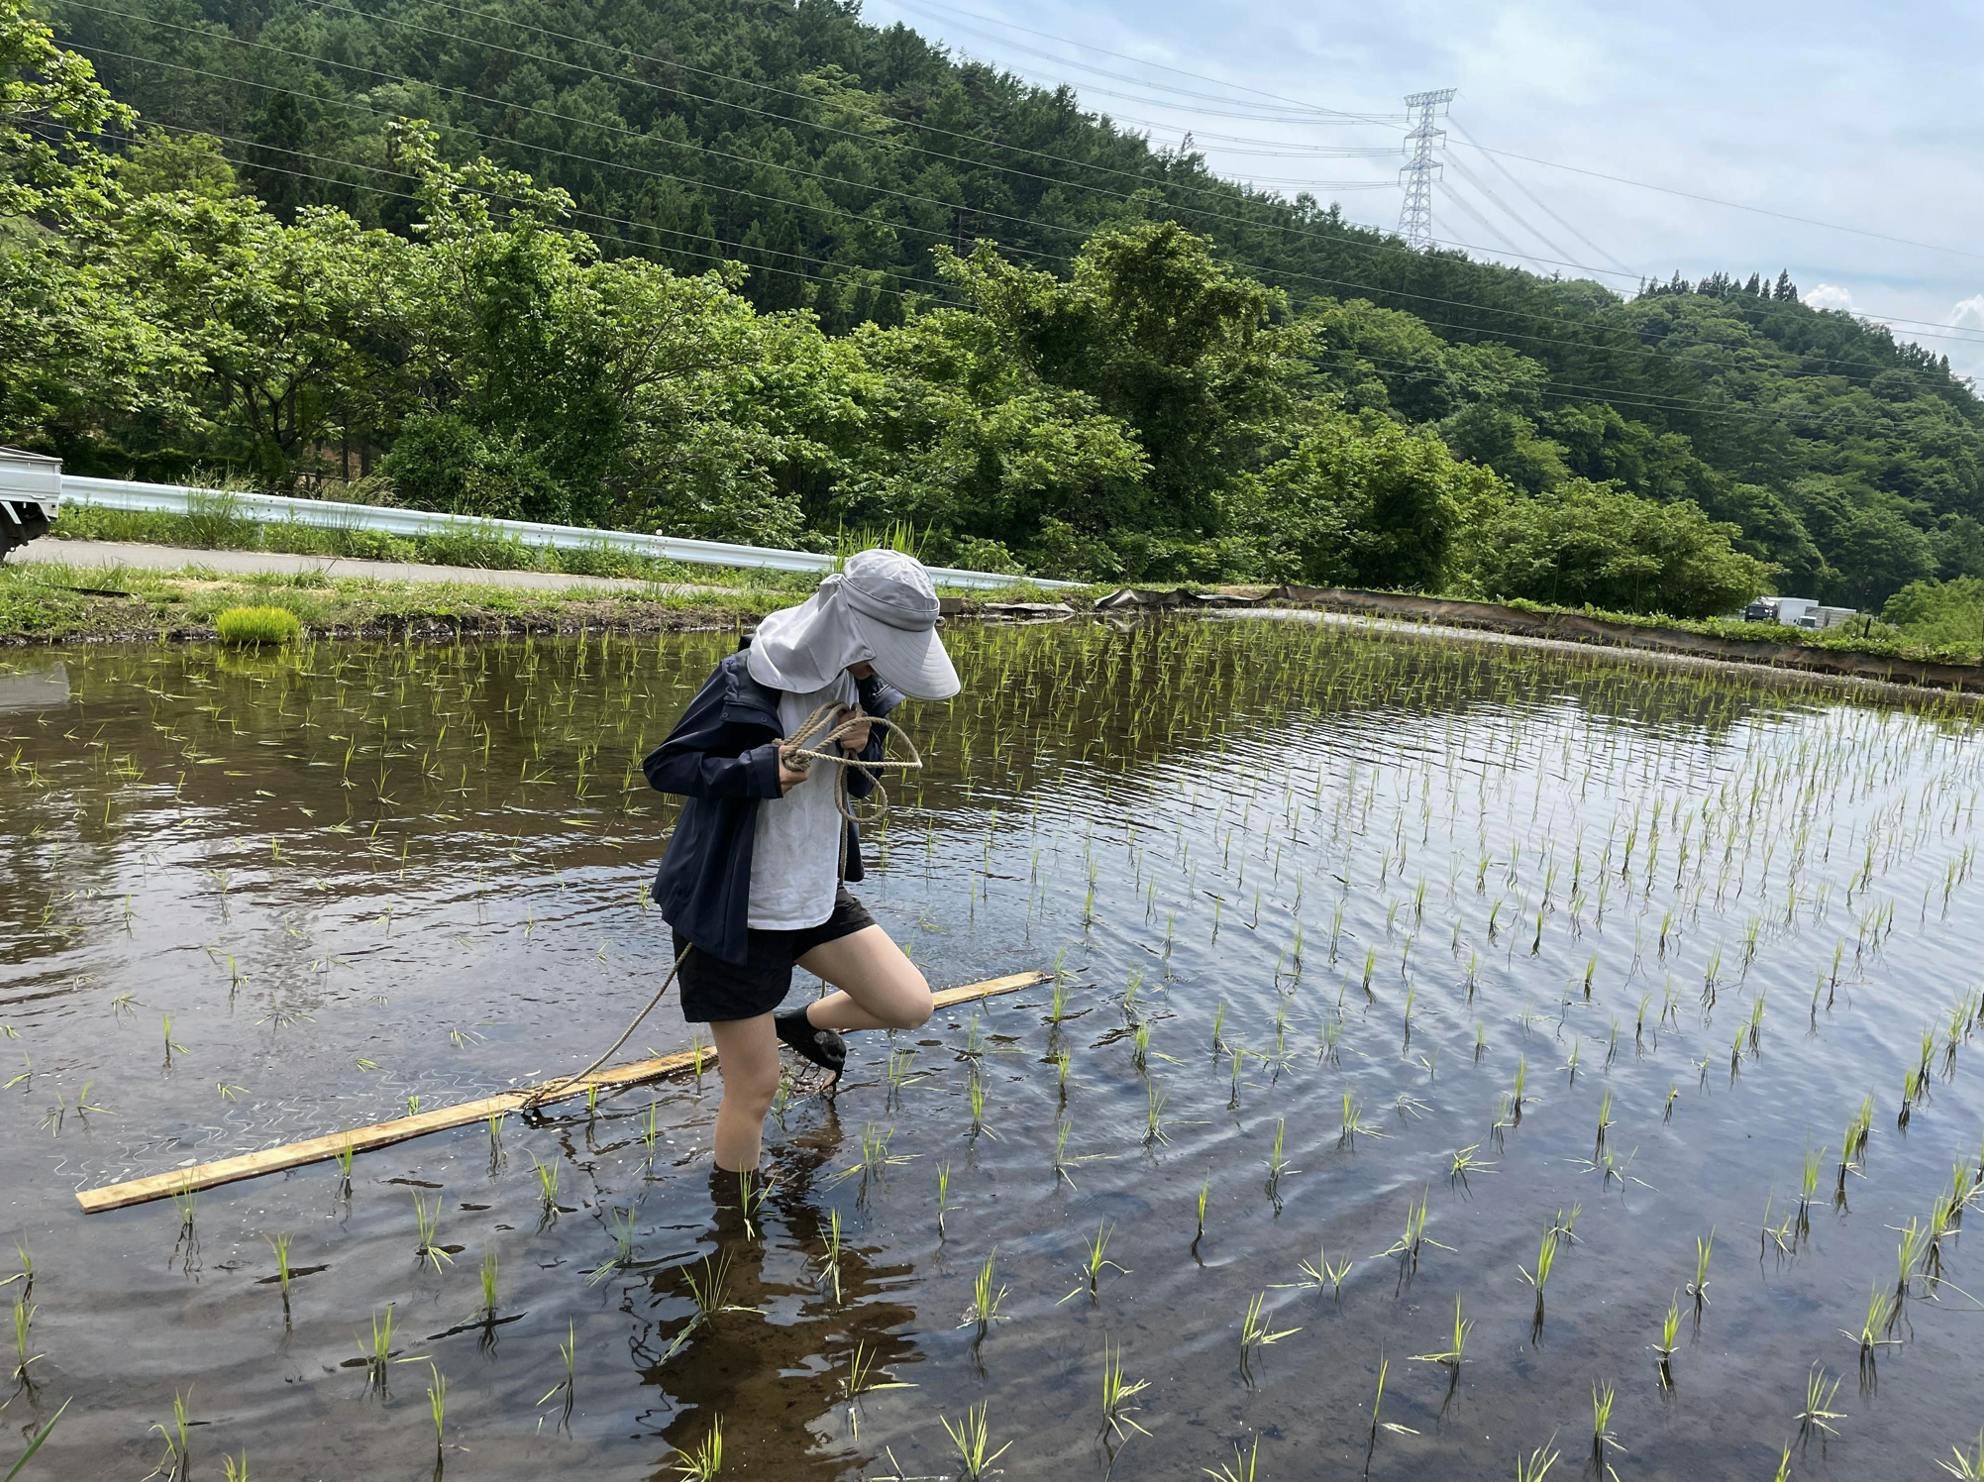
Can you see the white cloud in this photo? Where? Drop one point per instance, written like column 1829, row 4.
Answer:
column 1969, row 313
column 1827, row 296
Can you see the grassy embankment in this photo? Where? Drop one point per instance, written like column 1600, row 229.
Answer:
column 55, row 601
column 43, row 603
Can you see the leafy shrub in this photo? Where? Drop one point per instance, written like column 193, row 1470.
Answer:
column 977, row 553
column 249, row 626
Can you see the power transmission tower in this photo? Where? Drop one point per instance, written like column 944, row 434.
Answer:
column 1421, row 169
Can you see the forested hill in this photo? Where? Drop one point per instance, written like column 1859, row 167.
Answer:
column 842, row 163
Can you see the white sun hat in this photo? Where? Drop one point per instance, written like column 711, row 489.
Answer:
column 879, row 609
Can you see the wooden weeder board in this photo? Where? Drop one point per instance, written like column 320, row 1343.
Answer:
column 441, row 1119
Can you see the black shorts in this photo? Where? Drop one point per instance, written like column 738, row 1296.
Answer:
column 713, row 989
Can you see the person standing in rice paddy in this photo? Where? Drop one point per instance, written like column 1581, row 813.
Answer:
column 755, row 878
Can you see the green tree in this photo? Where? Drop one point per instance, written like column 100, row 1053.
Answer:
column 1599, row 545
column 1363, row 502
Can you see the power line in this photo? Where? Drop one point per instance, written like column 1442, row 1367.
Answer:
column 1455, row 198
column 1568, row 262
column 1501, row 205
column 1689, row 195
column 1531, row 159
column 353, row 105
column 1292, row 113
column 1535, row 199
column 1388, row 120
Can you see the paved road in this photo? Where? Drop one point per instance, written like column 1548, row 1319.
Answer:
column 109, row 553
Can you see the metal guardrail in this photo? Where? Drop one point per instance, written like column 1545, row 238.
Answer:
column 179, row 499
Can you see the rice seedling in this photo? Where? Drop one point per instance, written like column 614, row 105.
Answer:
column 1808, row 1183
column 1464, row 1162
column 1456, row 1348
column 1604, row 1120
column 1698, row 1288
column 1881, row 1316
column 971, row 1438
column 568, row 1352
column 863, row 1377
column 487, row 1276
column 876, row 1157
column 1536, row 1466
column 1243, row 1465
column 706, row 1460
column 1602, row 1439
column 1353, row 1125
column 173, row 1465
column 547, row 1190
column 1664, row 1349
column 650, row 1134
column 186, row 1201
column 1413, row 1240
column 377, row 1352
column 24, row 1356
column 344, row 1157
column 1781, row 1236
column 1118, row 1414
column 943, row 1195
column 829, row 1264
column 1324, row 1274
column 1256, row 1332
column 1205, row 1190
column 26, row 1274
column 1818, row 1413
column 1154, row 1100
column 1546, row 1260
column 975, row 1095
column 1094, row 1263
column 437, row 1405
column 1967, row 1466
column 1277, row 1163
column 35, row 1443
column 427, row 1221
column 620, row 1225
column 1378, row 1422
column 987, row 1297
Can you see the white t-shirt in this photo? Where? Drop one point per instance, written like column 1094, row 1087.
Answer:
column 795, row 855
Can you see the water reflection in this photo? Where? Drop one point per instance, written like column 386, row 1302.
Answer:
column 1276, row 866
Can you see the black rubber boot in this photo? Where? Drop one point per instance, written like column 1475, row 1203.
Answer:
column 822, row 1047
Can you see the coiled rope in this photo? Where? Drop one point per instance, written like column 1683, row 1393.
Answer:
column 797, row 753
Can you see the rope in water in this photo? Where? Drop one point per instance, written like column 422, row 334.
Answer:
column 797, row 753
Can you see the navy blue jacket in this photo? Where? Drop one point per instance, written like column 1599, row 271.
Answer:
column 723, row 757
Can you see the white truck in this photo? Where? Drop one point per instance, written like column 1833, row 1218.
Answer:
column 30, row 496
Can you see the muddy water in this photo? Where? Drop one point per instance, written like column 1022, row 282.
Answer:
column 370, row 874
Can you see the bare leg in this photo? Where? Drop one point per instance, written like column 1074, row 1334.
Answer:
column 879, row 988
column 747, row 1059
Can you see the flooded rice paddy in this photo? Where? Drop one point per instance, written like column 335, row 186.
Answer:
column 1444, row 1038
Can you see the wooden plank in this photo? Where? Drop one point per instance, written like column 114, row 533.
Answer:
column 441, row 1119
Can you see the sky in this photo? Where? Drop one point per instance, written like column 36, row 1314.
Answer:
column 1845, row 115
